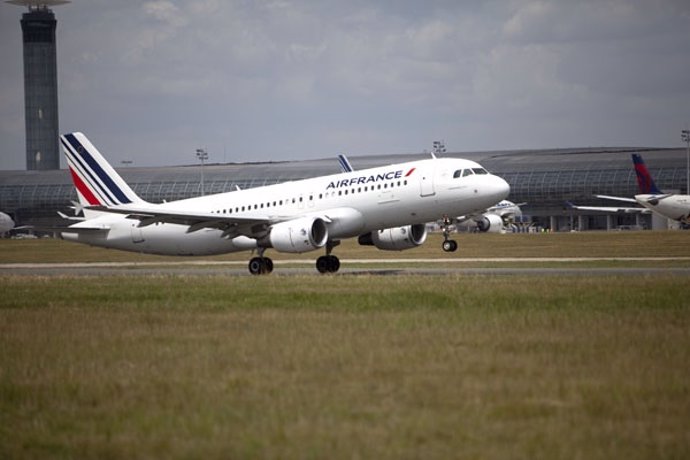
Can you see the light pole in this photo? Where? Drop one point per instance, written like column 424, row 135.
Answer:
column 202, row 155
column 439, row 147
column 685, row 134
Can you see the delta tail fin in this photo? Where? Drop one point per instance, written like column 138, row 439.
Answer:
column 97, row 183
column 644, row 179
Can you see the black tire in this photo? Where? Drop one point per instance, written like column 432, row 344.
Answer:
column 333, row 264
column 322, row 264
column 327, row 264
column 450, row 245
column 259, row 266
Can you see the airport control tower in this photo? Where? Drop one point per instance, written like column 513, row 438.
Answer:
column 40, row 84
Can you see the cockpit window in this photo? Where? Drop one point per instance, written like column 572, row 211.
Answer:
column 469, row 172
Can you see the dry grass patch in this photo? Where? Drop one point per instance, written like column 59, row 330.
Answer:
column 342, row 367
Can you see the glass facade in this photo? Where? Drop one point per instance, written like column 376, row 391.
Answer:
column 544, row 180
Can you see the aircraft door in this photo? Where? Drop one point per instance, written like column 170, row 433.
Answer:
column 426, row 181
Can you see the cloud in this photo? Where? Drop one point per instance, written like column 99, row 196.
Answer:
column 312, row 78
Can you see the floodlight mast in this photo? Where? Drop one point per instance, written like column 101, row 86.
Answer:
column 685, row 134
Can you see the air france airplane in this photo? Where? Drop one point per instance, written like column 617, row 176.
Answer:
column 386, row 207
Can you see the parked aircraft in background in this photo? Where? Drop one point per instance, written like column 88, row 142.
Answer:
column 6, row 223
column 670, row 205
column 495, row 219
column 386, row 207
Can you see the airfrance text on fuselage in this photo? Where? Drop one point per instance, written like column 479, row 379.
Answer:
column 368, row 179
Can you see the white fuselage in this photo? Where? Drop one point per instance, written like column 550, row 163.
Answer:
column 352, row 204
column 675, row 207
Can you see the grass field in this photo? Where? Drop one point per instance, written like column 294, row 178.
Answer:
column 585, row 244
column 349, row 366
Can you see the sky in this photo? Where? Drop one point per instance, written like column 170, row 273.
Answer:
column 249, row 80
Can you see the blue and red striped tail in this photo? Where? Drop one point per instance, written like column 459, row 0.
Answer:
column 96, row 181
column 644, row 179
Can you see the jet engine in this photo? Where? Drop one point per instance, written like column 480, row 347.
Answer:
column 395, row 239
column 299, row 235
column 490, row 223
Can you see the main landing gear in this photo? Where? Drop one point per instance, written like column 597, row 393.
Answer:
column 325, row 264
column 328, row 263
column 448, row 245
column 260, row 265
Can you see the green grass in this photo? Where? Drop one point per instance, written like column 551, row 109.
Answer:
column 345, row 366
column 585, row 244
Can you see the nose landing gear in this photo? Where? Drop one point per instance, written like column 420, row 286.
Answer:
column 448, row 245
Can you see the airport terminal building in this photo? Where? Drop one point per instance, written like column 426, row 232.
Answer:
column 542, row 179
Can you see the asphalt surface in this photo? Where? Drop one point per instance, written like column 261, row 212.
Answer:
column 356, row 267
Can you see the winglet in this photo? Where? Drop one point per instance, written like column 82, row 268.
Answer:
column 644, row 179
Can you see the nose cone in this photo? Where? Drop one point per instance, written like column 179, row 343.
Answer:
column 498, row 189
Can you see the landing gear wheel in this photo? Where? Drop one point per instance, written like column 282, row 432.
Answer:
column 450, row 245
column 260, row 266
column 327, row 264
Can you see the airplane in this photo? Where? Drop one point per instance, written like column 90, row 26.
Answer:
column 494, row 219
column 386, row 207
column 669, row 205
column 6, row 223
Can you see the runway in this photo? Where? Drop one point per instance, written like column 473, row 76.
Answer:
column 353, row 267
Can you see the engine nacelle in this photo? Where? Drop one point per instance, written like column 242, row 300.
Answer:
column 490, row 223
column 299, row 235
column 396, row 239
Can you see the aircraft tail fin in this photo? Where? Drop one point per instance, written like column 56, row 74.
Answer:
column 97, row 183
column 644, row 179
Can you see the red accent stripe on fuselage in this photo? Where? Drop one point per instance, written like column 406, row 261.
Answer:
column 410, row 172
column 83, row 189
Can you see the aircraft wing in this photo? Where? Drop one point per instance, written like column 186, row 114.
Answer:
column 617, row 209
column 232, row 225
column 78, row 230
column 617, row 198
